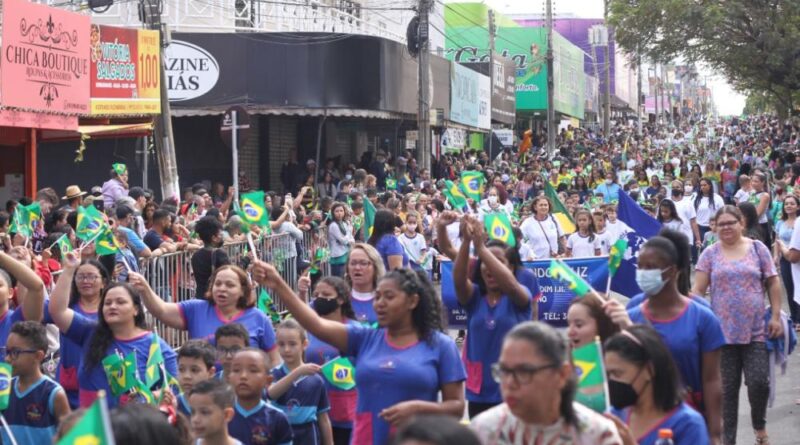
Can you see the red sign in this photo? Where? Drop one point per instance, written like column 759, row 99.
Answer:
column 45, row 59
column 43, row 121
column 125, row 71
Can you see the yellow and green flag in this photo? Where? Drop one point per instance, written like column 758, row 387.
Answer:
column 454, row 196
column 106, row 243
column 253, row 209
column 391, row 184
column 498, row 227
column 369, row 218
column 93, row 428
column 340, row 373
column 120, row 372
column 267, row 306
column 90, row 223
column 24, row 217
column 119, row 168
column 155, row 360
column 5, row 385
column 63, row 244
column 558, row 210
column 560, row 271
column 615, row 255
column 591, row 375
column 472, row 183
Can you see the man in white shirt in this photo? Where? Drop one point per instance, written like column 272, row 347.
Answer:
column 687, row 214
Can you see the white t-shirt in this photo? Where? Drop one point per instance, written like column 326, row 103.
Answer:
column 687, row 213
column 414, row 247
column 541, row 236
column 742, row 196
column 795, row 244
column 605, row 241
column 583, row 246
column 705, row 211
column 616, row 230
column 453, row 232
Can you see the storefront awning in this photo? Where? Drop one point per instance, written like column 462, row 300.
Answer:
column 290, row 111
column 100, row 131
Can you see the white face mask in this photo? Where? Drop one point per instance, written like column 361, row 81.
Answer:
column 412, row 227
column 492, row 199
column 608, row 182
column 650, row 281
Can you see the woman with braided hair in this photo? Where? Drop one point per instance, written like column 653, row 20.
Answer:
column 403, row 365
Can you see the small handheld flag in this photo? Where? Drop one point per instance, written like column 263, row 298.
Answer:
column 119, row 168
column 560, row 271
column 107, row 243
column 499, row 227
column 340, row 373
column 592, row 386
column 63, row 244
column 560, row 213
column 155, row 359
column 93, row 428
column 472, row 183
column 454, row 196
column 120, row 372
column 267, row 306
column 391, row 184
column 5, row 385
column 615, row 256
column 90, row 223
column 253, row 209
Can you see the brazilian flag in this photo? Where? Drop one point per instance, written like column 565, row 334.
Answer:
column 454, row 196
column 253, row 210
column 120, row 372
column 472, row 183
column 90, row 223
column 107, row 243
column 499, row 227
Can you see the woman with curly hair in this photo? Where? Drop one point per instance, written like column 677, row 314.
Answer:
column 400, row 368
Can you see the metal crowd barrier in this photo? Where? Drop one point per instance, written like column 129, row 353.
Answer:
column 172, row 279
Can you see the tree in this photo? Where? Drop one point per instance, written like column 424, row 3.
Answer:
column 753, row 43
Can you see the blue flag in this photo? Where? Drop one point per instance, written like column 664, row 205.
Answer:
column 643, row 227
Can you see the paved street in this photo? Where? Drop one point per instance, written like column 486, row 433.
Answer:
column 783, row 419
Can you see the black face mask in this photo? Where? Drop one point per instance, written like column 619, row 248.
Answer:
column 677, row 192
column 622, row 395
column 324, row 306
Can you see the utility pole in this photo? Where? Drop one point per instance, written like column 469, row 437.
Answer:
column 607, row 105
column 661, row 85
column 655, row 89
column 551, row 112
column 639, row 93
column 165, row 141
column 593, row 39
column 492, row 32
column 423, row 112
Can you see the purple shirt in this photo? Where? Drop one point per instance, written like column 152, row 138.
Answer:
column 388, row 246
column 113, row 190
column 387, row 374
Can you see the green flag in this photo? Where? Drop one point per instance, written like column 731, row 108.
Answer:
column 5, row 385
column 615, row 255
column 155, row 359
column 63, row 244
column 93, row 428
column 267, row 306
column 340, row 373
column 119, row 169
column 454, row 196
column 499, row 227
column 106, row 243
column 120, row 372
column 253, row 210
column 472, row 184
column 24, row 217
column 90, row 223
column 369, row 218
column 557, row 209
column 588, row 361
column 562, row 272
column 391, row 184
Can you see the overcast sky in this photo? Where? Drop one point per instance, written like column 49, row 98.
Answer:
column 728, row 101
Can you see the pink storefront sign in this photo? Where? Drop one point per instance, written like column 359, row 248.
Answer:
column 44, row 64
column 42, row 121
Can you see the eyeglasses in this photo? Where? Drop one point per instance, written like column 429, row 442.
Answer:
column 726, row 224
column 363, row 264
column 522, row 375
column 229, row 352
column 14, row 353
column 86, row 278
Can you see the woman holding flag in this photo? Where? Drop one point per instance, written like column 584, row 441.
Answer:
column 118, row 353
column 227, row 301
column 495, row 302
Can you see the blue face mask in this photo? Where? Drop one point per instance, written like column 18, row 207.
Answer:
column 650, row 281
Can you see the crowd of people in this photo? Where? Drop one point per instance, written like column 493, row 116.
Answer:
column 713, row 284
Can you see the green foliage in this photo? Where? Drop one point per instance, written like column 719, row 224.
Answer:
column 753, row 43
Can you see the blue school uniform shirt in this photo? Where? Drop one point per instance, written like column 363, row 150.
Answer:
column 262, row 425
column 363, row 309
column 31, row 414
column 388, row 245
column 9, row 318
column 693, row 332
column 640, row 298
column 387, row 374
column 94, row 379
column 302, row 403
column 202, row 320
column 342, row 403
column 687, row 426
column 70, row 355
column 486, row 328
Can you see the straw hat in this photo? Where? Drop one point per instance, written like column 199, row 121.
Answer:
column 73, row 191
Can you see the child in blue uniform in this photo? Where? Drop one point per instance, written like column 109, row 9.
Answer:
column 254, row 422
column 230, row 339
column 299, row 390
column 36, row 402
column 195, row 364
column 212, row 402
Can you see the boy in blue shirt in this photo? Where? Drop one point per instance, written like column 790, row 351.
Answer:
column 195, row 364
column 254, row 422
column 211, row 402
column 36, row 403
column 230, row 338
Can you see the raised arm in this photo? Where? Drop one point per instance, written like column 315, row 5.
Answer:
column 461, row 279
column 33, row 303
column 328, row 331
column 445, row 245
column 168, row 313
column 59, row 299
column 504, row 276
